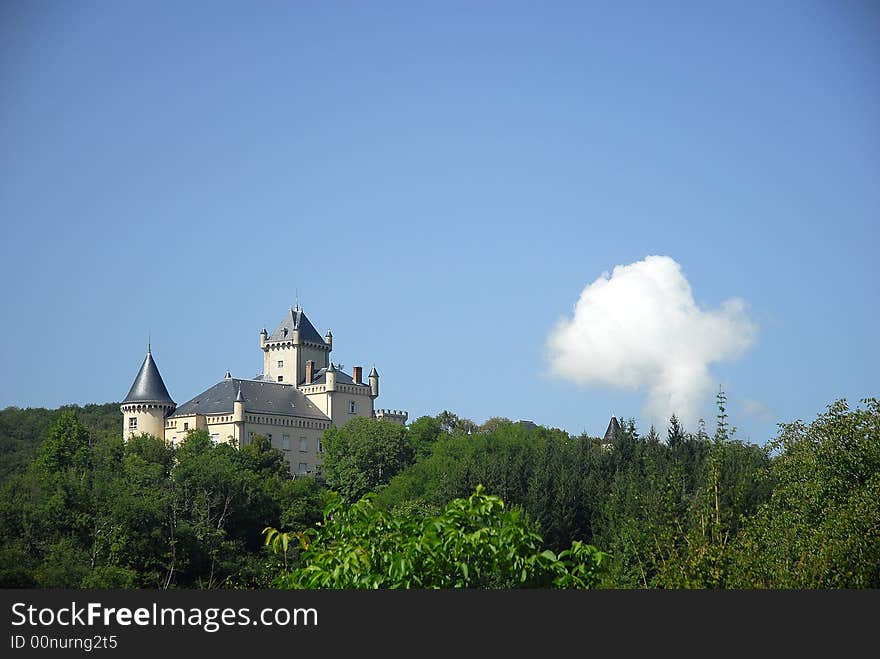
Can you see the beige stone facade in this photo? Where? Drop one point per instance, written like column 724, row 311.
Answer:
column 298, row 396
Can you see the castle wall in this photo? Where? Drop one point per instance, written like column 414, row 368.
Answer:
column 394, row 416
column 223, row 428
column 296, row 430
column 177, row 427
column 307, row 351
column 149, row 418
column 337, row 404
column 283, row 352
column 293, row 358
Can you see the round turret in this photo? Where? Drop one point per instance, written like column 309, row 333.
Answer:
column 147, row 404
column 331, row 377
column 374, row 383
column 238, row 407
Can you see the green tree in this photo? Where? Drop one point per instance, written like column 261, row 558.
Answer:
column 423, row 433
column 675, row 433
column 474, row 543
column 66, row 446
column 821, row 525
column 364, row 454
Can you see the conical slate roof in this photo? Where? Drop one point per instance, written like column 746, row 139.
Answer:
column 613, row 427
column 148, row 386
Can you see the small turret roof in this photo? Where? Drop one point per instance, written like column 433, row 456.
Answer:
column 373, row 373
column 148, row 386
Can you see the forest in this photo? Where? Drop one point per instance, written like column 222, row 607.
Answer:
column 443, row 503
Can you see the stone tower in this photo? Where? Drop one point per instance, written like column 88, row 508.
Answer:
column 147, row 404
column 294, row 343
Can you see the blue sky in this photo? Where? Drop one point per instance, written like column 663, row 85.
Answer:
column 439, row 182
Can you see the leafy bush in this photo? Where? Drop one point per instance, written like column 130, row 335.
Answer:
column 474, row 543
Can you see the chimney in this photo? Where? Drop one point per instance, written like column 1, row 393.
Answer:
column 357, row 374
column 310, row 371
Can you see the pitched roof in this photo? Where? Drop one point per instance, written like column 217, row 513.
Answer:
column 613, row 427
column 293, row 319
column 260, row 397
column 148, row 386
column 342, row 377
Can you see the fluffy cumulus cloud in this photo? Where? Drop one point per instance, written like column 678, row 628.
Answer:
column 640, row 328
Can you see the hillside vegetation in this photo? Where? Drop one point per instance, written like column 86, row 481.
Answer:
column 443, row 502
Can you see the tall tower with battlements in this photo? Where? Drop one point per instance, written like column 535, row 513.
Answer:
column 293, row 343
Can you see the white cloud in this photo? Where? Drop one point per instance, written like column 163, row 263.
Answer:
column 640, row 328
column 757, row 410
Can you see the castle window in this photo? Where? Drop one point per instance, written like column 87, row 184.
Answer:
column 285, row 442
column 215, row 437
column 320, row 446
column 186, row 426
column 303, row 444
column 303, row 469
column 352, row 407
column 280, row 363
column 280, row 378
column 132, row 423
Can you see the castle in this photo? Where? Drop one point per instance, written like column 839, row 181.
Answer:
column 299, row 394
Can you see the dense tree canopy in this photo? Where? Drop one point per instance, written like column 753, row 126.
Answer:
column 473, row 543
column 364, row 454
column 80, row 508
column 821, row 525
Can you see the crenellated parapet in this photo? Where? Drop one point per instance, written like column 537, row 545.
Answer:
column 395, row 416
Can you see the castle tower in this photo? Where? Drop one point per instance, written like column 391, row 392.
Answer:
column 374, row 383
column 330, row 378
column 147, row 403
column 238, row 418
column 287, row 350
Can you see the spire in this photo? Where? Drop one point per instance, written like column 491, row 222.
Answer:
column 613, row 427
column 331, row 368
column 239, row 398
column 228, row 375
column 373, row 373
column 148, row 386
